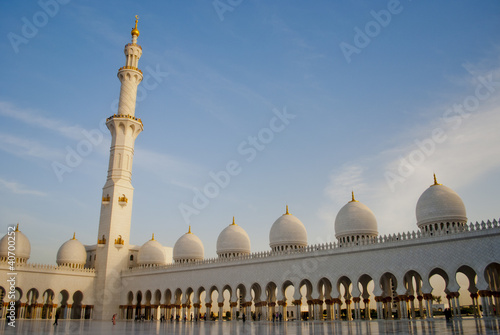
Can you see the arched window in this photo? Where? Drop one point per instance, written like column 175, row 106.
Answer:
column 131, row 257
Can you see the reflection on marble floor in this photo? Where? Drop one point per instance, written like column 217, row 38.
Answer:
column 485, row 326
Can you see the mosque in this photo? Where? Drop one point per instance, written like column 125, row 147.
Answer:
column 360, row 276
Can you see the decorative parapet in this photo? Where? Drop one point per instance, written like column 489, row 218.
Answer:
column 328, row 247
column 119, row 242
column 101, row 241
column 106, row 199
column 122, row 200
column 51, row 268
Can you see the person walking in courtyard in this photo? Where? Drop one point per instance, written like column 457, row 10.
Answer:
column 56, row 317
column 114, row 319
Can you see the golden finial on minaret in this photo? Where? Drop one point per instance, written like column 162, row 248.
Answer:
column 234, row 224
column 74, row 236
column 135, row 31
column 189, row 231
column 287, row 213
column 435, row 181
column 17, row 227
column 353, row 200
column 153, row 237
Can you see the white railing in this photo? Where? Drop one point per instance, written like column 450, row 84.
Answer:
column 52, row 268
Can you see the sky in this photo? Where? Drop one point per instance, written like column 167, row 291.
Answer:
column 294, row 103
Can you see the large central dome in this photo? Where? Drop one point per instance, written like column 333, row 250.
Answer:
column 354, row 221
column 23, row 247
column 72, row 253
column 287, row 232
column 440, row 204
column 188, row 248
column 151, row 253
column 233, row 241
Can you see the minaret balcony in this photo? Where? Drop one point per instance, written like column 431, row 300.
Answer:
column 123, row 200
column 123, row 116
column 130, row 68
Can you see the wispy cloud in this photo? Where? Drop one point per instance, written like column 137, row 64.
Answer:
column 165, row 166
column 34, row 118
column 23, row 147
column 17, row 188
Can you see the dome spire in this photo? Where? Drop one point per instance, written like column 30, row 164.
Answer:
column 287, row 213
column 135, row 31
column 234, row 224
column 17, row 227
column 435, row 181
column 189, row 231
column 353, row 200
column 74, row 236
column 153, row 237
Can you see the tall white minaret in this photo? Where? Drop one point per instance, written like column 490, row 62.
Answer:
column 118, row 193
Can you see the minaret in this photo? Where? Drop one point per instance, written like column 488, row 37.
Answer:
column 118, row 193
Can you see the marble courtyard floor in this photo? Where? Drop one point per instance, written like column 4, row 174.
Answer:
column 436, row 326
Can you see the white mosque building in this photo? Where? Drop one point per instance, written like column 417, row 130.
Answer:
column 361, row 276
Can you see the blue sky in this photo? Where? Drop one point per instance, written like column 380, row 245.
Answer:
column 380, row 94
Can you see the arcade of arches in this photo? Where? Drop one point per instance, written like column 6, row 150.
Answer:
column 33, row 305
column 317, row 300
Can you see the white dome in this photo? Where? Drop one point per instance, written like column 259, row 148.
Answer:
column 151, row 253
column 22, row 245
column 440, row 204
column 233, row 240
column 71, row 253
column 355, row 219
column 188, row 248
column 287, row 232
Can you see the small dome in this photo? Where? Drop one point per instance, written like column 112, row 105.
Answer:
column 439, row 204
column 22, row 244
column 287, row 232
column 151, row 253
column 72, row 253
column 356, row 220
column 188, row 248
column 233, row 240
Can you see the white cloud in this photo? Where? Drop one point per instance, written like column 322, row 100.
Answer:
column 17, row 188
